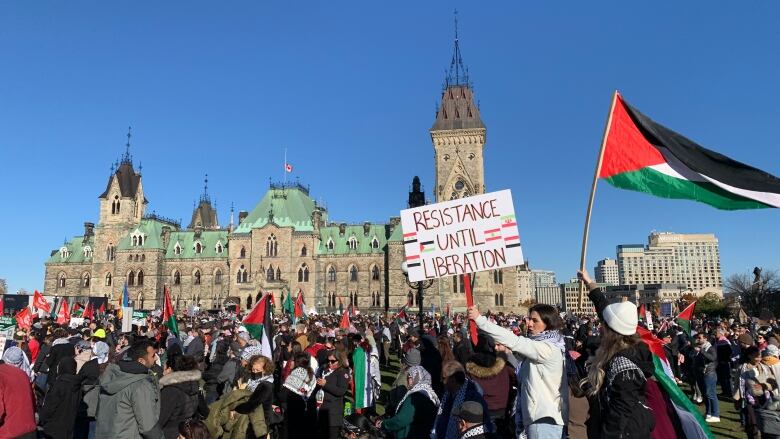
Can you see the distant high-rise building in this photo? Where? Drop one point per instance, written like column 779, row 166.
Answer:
column 542, row 278
column 673, row 258
column 606, row 272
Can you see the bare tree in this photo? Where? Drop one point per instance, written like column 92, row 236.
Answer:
column 3, row 286
column 756, row 292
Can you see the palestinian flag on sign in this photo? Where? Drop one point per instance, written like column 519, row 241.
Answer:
column 684, row 318
column 259, row 323
column 644, row 156
column 691, row 421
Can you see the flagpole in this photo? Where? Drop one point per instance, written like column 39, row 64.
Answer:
column 284, row 168
column 586, row 231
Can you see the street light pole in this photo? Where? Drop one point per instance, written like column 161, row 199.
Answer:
column 420, row 287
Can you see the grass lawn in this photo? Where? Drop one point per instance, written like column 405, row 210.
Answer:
column 728, row 427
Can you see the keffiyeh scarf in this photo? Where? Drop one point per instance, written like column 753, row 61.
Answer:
column 467, row 389
column 254, row 382
column 421, row 380
column 17, row 358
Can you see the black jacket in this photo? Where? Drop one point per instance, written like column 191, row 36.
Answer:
column 57, row 353
column 263, row 395
column 621, row 410
column 178, row 400
column 463, row 351
column 58, row 414
column 705, row 361
column 331, row 411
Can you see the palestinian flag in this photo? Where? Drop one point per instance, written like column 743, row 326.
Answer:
column 401, row 316
column 684, row 318
column 364, row 396
column 692, row 423
column 641, row 155
column 259, row 323
column 89, row 312
column 76, row 310
column 169, row 317
column 641, row 311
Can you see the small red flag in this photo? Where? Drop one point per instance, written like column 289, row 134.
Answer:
column 40, row 303
column 344, row 320
column 299, row 312
column 24, row 318
column 89, row 313
column 102, row 308
column 63, row 317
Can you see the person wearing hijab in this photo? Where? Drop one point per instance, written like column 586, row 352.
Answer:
column 88, row 376
column 58, row 414
column 416, row 413
column 14, row 356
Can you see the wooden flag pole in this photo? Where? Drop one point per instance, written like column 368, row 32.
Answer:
column 593, row 195
column 470, row 303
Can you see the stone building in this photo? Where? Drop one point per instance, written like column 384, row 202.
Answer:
column 285, row 244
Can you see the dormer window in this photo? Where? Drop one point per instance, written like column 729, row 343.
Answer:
column 374, row 243
column 329, row 245
column 177, row 249
column 138, row 239
column 64, row 253
column 352, row 243
column 219, row 248
column 198, row 248
column 87, row 252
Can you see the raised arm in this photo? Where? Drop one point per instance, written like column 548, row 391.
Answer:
column 535, row 351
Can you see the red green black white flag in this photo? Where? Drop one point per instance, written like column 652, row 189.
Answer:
column 169, row 316
column 684, row 318
column 259, row 323
column 644, row 156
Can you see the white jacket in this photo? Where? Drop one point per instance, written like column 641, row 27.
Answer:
column 543, row 391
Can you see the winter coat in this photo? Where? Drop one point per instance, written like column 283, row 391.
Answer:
column 58, row 414
column 331, row 412
column 263, row 395
column 705, row 361
column 17, row 410
column 463, row 351
column 541, row 374
column 88, row 377
column 220, row 424
column 196, row 349
column 178, row 400
column 496, row 381
column 82, row 358
column 60, row 349
column 414, row 419
column 129, row 403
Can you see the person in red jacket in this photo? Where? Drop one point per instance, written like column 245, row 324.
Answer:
column 17, row 416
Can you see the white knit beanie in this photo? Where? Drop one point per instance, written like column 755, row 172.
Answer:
column 621, row 317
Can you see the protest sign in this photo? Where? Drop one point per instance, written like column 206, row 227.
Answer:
column 461, row 236
column 7, row 326
column 2, row 344
column 139, row 318
column 127, row 319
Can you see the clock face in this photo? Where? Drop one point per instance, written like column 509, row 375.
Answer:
column 459, row 185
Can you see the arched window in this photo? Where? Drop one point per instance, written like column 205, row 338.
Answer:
column 242, row 254
column 271, row 246
column 498, row 277
column 241, row 275
column 352, row 243
column 409, row 299
column 143, row 258
column 278, row 274
column 269, row 274
column 495, row 300
column 131, row 278
column 137, row 258
column 130, row 258
column 140, row 239
column 85, row 280
column 140, row 278
column 249, row 302
column 87, row 252
column 197, row 277
column 177, row 249
column 457, row 285
column 353, row 274
column 61, row 281
column 259, row 295
column 501, row 299
column 115, row 205
column 64, row 253
column 375, row 273
column 331, row 274
column 219, row 248
column 176, row 278
column 198, row 248
column 303, row 273
column 135, row 241
column 110, row 252
column 330, row 244
column 303, row 251
column 108, row 279
column 218, row 277
column 375, row 243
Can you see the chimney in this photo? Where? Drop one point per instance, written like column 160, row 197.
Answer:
column 165, row 234
column 242, row 216
column 89, row 229
column 342, row 228
column 316, row 219
column 366, row 228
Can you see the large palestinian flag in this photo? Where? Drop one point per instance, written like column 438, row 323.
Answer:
column 643, row 156
column 684, row 318
column 259, row 323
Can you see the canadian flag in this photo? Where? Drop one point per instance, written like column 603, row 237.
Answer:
column 288, row 167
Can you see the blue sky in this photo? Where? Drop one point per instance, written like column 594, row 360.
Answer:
column 350, row 88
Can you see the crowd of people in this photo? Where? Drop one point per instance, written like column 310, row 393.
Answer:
column 542, row 375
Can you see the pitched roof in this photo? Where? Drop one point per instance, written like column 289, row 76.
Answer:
column 457, row 110
column 291, row 207
column 127, row 178
column 75, row 251
column 152, row 231
column 204, row 216
column 208, row 240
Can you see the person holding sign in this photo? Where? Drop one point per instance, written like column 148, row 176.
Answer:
column 541, row 379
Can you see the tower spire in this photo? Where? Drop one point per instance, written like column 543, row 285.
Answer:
column 127, row 158
column 205, row 196
column 458, row 74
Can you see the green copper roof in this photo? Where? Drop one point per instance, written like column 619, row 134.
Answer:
column 397, row 235
column 75, row 254
column 208, row 240
column 341, row 242
column 290, row 205
column 151, row 229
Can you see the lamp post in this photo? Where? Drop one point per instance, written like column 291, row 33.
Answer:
column 420, row 286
